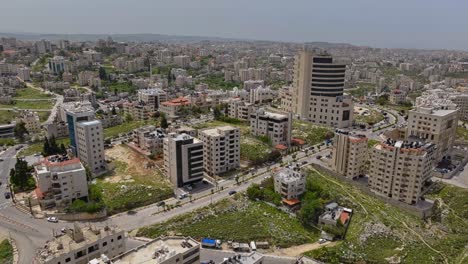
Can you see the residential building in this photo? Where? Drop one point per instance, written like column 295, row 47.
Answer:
column 183, row 159
column 252, row 84
column 60, row 181
column 173, row 107
column 152, row 97
column 261, row 95
column 221, row 149
column 24, row 73
column 401, row 170
column 397, row 96
column 57, row 129
column 290, row 182
column 182, row 61
column 80, row 245
column 237, row 108
column 149, row 138
column 90, row 145
column 139, row 111
column 277, row 127
column 183, row 130
column 334, row 213
column 31, row 121
column 7, row 130
column 349, row 154
column 163, row 250
column 318, row 86
column 438, row 126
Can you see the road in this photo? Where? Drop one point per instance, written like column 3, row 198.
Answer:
column 58, row 101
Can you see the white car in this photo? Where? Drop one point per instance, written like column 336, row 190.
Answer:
column 52, row 219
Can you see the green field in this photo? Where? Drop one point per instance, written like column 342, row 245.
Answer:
column 125, row 128
column 442, row 239
column 361, row 89
column 239, row 220
column 310, row 133
column 252, row 149
column 6, row 252
column 31, row 93
column 29, row 105
column 6, row 116
column 462, row 133
column 216, row 81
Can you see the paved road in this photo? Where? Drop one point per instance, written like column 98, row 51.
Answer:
column 59, row 101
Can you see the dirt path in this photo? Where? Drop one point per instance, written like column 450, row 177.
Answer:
column 301, row 249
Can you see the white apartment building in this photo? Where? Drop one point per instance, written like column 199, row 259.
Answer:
column 139, row 111
column 80, row 245
column 433, row 125
column 277, row 127
column 183, row 159
column 72, row 113
column 163, row 250
column 149, row 138
column 31, row 121
column 90, row 145
column 290, row 182
column 318, row 90
column 397, row 96
column 172, row 107
column 24, row 73
column 182, row 61
column 252, row 84
column 152, row 97
column 261, row 95
column 401, row 170
column 60, row 180
column 349, row 154
column 447, row 98
column 237, row 108
column 221, row 149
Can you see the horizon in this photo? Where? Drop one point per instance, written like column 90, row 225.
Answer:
column 360, row 22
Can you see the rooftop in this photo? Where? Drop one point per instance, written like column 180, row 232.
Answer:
column 215, row 132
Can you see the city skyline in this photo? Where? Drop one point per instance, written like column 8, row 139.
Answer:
column 362, row 22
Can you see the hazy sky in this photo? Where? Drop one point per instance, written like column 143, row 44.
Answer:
column 379, row 23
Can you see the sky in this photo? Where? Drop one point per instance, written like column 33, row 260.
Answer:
column 425, row 24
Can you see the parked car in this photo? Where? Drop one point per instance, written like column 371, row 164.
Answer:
column 52, row 219
column 183, row 196
column 1, row 160
column 7, row 195
column 319, row 157
column 232, row 192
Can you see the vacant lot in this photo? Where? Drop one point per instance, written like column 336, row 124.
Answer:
column 124, row 128
column 310, row 133
column 132, row 183
column 237, row 219
column 31, row 93
column 372, row 117
column 379, row 231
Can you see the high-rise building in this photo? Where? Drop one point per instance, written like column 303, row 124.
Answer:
column 57, row 64
column 221, row 149
column 24, row 73
column 73, row 113
column 401, row 170
column 90, row 145
column 318, row 90
column 183, row 159
column 349, row 154
column 277, row 127
column 438, row 126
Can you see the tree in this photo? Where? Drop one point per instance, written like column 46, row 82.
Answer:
column 21, row 177
column 164, row 123
column 63, row 149
column 311, row 208
column 20, row 130
column 216, row 113
column 128, row 118
column 102, row 73
column 46, row 147
column 254, row 192
column 114, row 112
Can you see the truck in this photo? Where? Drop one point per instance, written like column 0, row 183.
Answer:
column 210, row 243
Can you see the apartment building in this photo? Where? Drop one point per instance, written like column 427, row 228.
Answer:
column 276, row 127
column 183, row 130
column 57, row 129
column 446, row 98
column 73, row 113
column 90, row 145
column 152, row 97
column 31, row 121
column 57, row 64
column 139, row 111
column 237, row 108
column 261, row 95
column 183, row 159
column 290, row 182
column 401, row 170
column 24, row 73
column 349, row 154
column 397, row 96
column 163, row 250
column 60, row 180
column 317, row 94
column 80, row 245
column 221, row 149
column 182, row 61
column 438, row 126
column 149, row 138
column 173, row 107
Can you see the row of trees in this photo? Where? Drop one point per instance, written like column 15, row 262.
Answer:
column 51, row 147
column 21, row 176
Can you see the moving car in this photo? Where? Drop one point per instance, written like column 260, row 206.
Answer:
column 52, row 219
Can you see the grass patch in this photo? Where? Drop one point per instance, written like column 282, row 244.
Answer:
column 31, row 93
column 405, row 232
column 254, row 150
column 310, row 133
column 7, row 142
column 372, row 118
column 462, row 133
column 6, row 252
column 43, row 115
column 29, row 105
column 216, row 81
column 6, row 116
column 362, row 89
column 371, row 143
column 237, row 220
column 124, row 128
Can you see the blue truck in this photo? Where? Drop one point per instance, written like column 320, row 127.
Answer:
column 210, row 243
